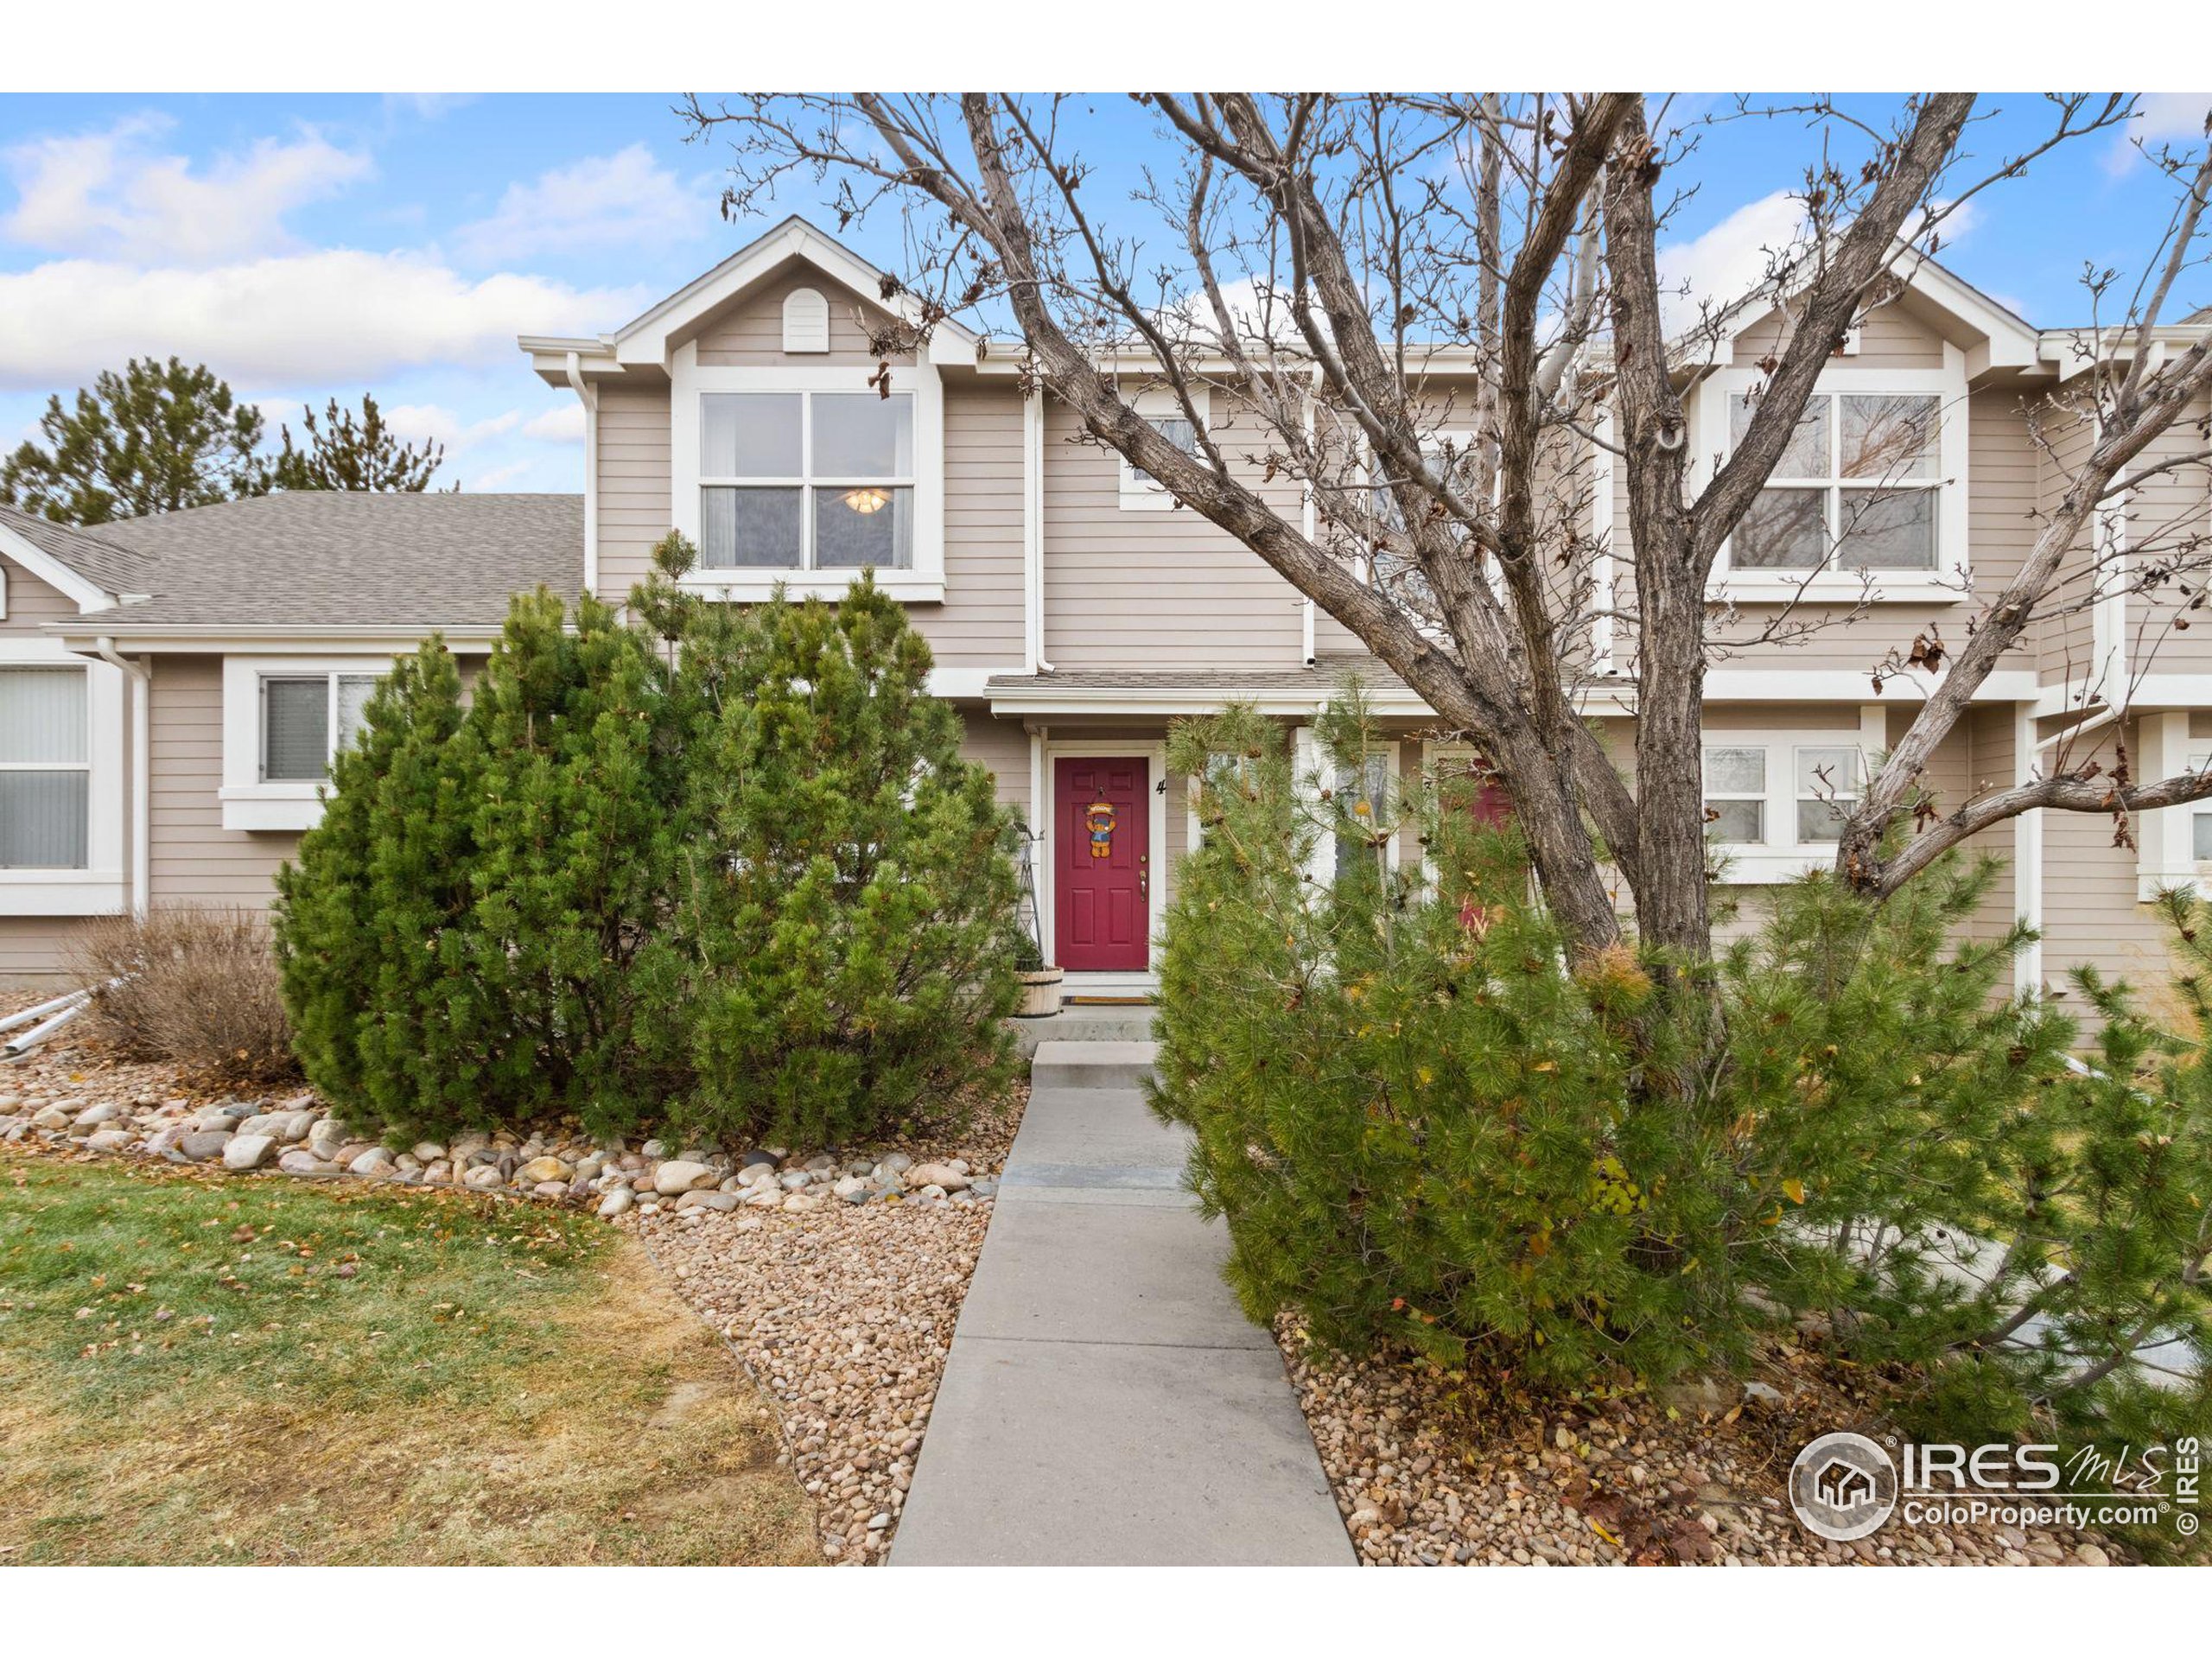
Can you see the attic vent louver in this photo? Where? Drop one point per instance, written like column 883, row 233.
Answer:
column 806, row 320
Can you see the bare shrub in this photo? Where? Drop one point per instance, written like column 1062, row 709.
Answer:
column 199, row 989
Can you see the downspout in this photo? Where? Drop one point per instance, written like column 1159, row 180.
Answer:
column 1309, row 524
column 140, row 713
column 588, row 396
column 1033, row 533
column 2027, row 856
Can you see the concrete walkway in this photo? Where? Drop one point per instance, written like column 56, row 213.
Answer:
column 1105, row 1403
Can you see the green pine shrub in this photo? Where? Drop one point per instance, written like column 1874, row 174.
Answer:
column 716, row 868
column 1432, row 1130
column 845, row 912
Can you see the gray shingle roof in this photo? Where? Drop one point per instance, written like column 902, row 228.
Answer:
column 116, row 569
column 349, row 559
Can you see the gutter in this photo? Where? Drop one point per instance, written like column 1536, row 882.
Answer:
column 139, row 712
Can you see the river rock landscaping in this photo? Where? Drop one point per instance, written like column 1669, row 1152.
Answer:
column 1432, row 1467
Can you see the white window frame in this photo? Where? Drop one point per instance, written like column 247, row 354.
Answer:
column 1950, row 581
column 1311, row 765
column 1139, row 493
column 1782, row 856
column 100, row 888
column 251, row 802
column 689, row 382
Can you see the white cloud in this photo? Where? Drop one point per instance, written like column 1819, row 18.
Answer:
column 116, row 194
column 562, row 423
column 1736, row 256
column 493, row 478
column 435, row 423
column 1728, row 260
column 602, row 201
column 2175, row 119
column 317, row 318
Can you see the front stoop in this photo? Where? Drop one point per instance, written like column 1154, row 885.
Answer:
column 1091, row 1065
column 1107, row 1022
column 1105, row 1403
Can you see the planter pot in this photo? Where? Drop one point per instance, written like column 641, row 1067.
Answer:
column 1040, row 992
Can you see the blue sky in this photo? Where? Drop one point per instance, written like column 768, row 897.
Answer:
column 305, row 247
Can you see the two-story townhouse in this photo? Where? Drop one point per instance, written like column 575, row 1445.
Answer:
column 170, row 688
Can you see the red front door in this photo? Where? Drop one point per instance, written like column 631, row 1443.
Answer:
column 1102, row 847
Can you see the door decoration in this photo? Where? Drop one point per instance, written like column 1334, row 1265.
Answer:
column 1099, row 817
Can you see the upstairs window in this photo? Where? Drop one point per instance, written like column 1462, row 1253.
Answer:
column 1178, row 431
column 1859, row 487
column 1164, row 413
column 306, row 719
column 46, row 770
column 806, row 480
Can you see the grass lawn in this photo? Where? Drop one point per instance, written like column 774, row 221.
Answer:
column 196, row 1370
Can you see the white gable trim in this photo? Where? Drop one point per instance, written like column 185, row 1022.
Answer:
column 89, row 595
column 2005, row 341
column 645, row 341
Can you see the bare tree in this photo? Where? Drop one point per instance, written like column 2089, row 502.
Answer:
column 1440, row 312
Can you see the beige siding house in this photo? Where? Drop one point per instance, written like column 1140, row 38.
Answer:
column 171, row 688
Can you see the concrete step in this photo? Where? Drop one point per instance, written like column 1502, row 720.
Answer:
column 1092, row 1065
column 1103, row 1023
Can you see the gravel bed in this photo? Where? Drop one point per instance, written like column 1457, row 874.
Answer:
column 1432, row 1467
column 845, row 1315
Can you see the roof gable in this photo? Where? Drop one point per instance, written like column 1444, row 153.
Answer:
column 1989, row 333
column 649, row 339
column 93, row 573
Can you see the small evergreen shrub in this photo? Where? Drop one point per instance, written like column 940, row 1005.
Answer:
column 194, row 986
column 845, row 910
column 1430, row 1129
column 716, row 868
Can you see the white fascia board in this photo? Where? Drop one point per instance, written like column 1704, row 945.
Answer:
column 1840, row 686
column 89, row 595
column 2147, row 692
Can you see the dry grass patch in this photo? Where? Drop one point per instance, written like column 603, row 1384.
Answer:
column 201, row 1370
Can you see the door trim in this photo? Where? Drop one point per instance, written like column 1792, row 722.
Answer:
column 1155, row 757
